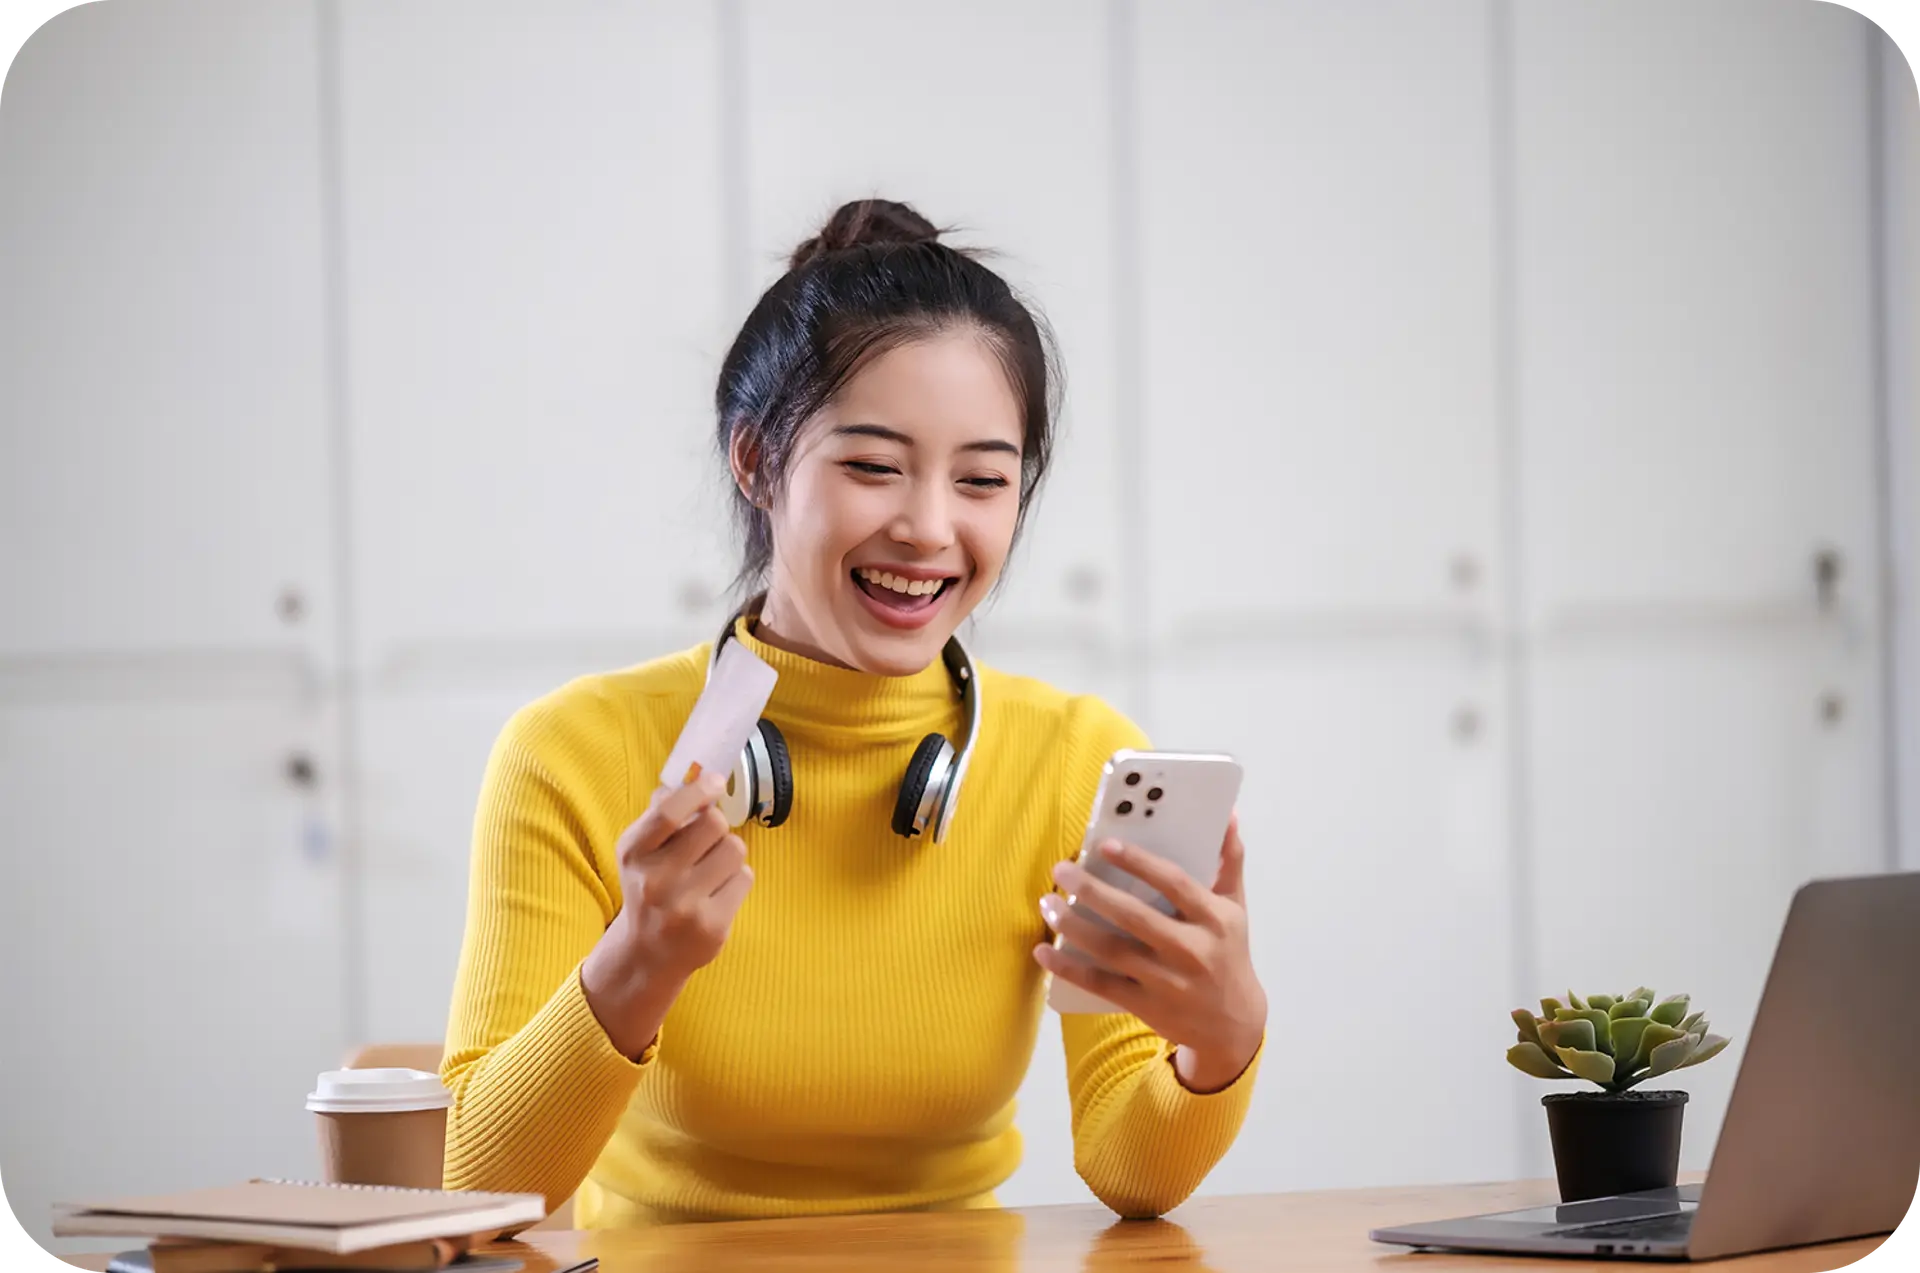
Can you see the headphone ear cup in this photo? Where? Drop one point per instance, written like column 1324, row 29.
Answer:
column 781, row 767
column 736, row 802
column 913, row 788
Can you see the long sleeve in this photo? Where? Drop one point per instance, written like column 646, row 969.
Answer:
column 1142, row 1141
column 537, row 1086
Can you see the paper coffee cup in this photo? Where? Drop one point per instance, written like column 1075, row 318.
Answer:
column 381, row 1127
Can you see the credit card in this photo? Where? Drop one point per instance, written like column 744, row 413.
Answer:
column 724, row 717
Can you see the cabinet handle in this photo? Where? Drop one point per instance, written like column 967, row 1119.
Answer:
column 1827, row 565
column 1083, row 584
column 694, row 596
column 300, row 770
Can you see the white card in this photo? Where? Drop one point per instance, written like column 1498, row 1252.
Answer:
column 724, row 718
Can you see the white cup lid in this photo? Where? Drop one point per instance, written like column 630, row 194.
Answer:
column 375, row 1091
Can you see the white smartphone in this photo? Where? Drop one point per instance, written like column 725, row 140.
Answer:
column 1173, row 804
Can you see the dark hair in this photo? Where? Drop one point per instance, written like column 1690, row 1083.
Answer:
column 874, row 278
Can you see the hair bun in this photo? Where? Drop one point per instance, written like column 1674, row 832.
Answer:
column 865, row 223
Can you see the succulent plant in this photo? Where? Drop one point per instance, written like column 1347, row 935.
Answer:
column 1613, row 1040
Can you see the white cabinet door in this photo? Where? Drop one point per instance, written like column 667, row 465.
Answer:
column 1694, row 312
column 422, row 756
column 1317, row 232
column 163, row 444
column 1316, row 218
column 170, row 951
column 1378, row 867
column 170, row 916
column 994, row 119
column 1696, row 407
column 533, row 228
column 1682, row 790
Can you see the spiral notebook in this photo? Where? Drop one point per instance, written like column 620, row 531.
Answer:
column 303, row 1213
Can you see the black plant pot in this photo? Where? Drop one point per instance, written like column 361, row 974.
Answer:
column 1614, row 1142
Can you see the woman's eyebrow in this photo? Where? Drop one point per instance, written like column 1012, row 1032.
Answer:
column 882, row 432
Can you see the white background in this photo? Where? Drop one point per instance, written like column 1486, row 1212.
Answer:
column 1460, row 397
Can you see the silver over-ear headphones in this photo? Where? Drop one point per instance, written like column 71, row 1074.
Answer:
column 761, row 784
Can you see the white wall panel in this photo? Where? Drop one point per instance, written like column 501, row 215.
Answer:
column 170, row 944
column 1316, row 291
column 534, row 276
column 1374, row 820
column 1694, row 315
column 998, row 125
column 1696, row 401
column 163, row 446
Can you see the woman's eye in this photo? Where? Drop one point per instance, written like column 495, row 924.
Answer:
column 872, row 470
column 989, row 483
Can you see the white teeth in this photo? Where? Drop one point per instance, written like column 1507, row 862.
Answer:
column 906, row 587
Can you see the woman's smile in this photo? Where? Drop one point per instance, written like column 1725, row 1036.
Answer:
column 903, row 598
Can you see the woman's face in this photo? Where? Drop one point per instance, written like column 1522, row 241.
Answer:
column 899, row 507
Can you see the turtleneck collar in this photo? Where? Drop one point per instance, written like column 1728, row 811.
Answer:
column 813, row 695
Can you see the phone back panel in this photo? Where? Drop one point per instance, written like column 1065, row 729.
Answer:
column 1194, row 802
column 1176, row 806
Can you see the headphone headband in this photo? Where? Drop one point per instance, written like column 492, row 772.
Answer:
column 960, row 668
column 932, row 806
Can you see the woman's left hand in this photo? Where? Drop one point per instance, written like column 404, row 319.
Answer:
column 1188, row 976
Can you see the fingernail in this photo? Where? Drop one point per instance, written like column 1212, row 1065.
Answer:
column 1049, row 911
column 1065, row 874
column 1112, row 848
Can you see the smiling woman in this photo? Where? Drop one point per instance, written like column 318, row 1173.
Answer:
column 911, row 520
column 885, row 411
column 826, row 1012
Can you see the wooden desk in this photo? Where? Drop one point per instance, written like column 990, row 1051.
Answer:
column 1279, row 1232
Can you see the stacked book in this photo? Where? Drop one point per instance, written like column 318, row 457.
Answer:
column 279, row 1226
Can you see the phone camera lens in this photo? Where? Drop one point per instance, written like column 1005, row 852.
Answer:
column 1133, row 780
column 1126, row 807
column 1153, row 793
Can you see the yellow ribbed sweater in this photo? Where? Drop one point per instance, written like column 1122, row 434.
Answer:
column 858, row 1042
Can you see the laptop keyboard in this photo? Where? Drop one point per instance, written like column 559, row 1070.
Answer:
column 1671, row 1227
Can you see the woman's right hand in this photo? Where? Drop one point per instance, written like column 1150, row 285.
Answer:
column 683, row 876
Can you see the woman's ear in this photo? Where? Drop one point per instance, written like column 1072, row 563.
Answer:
column 743, row 457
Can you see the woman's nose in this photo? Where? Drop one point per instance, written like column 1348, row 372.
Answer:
column 925, row 519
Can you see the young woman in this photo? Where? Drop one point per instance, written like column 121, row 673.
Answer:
column 687, row 1022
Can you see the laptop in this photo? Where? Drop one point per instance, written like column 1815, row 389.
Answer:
column 1822, row 1136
